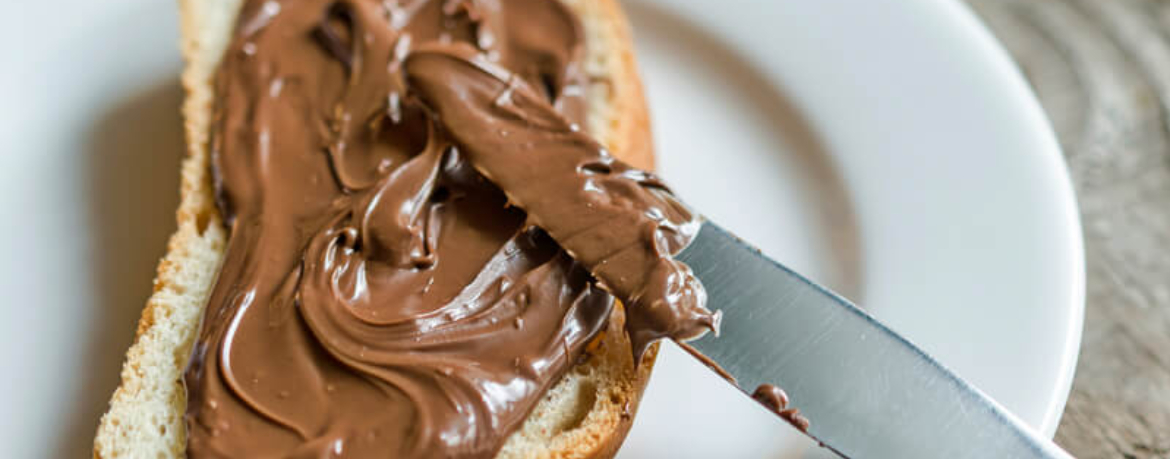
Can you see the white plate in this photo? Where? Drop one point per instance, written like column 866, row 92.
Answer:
column 888, row 149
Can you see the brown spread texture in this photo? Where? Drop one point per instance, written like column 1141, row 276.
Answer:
column 456, row 271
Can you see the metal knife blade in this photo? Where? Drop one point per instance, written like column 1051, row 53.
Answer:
column 868, row 392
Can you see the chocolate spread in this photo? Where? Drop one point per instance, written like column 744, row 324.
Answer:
column 422, row 240
column 620, row 222
column 775, row 400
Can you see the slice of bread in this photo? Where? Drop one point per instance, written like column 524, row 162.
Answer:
column 586, row 414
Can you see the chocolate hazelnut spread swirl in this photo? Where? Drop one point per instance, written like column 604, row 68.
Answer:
column 403, row 279
column 620, row 222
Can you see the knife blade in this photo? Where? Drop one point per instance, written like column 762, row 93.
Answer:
column 868, row 392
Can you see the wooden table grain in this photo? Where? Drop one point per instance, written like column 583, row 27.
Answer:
column 1101, row 69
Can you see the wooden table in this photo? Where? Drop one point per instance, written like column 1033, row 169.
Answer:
column 1102, row 71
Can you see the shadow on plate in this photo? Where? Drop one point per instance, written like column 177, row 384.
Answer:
column 822, row 190
column 135, row 148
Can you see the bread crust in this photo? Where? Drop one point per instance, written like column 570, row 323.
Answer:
column 145, row 416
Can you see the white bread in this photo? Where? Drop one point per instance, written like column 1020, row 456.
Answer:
column 586, row 414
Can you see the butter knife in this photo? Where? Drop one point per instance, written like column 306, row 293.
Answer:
column 868, row 392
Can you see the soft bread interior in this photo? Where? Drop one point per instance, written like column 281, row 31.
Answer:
column 586, row 414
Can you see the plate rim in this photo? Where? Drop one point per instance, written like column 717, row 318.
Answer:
column 1005, row 65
